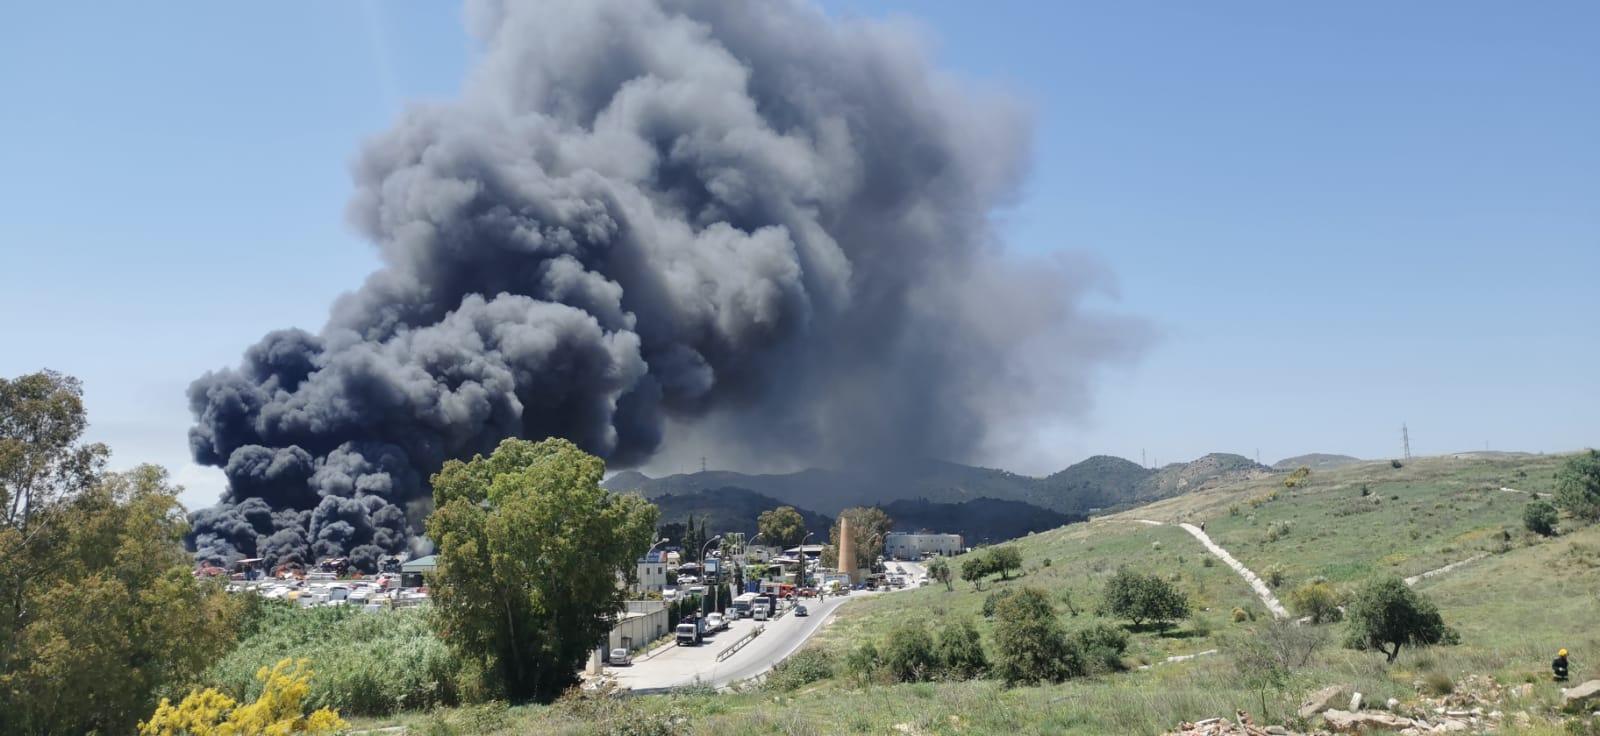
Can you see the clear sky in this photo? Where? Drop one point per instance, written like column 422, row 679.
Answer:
column 1339, row 217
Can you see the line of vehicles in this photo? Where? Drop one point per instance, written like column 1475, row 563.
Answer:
column 755, row 606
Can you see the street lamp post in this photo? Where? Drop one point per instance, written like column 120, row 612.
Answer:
column 714, row 586
column 803, row 576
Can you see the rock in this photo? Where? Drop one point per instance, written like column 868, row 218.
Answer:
column 1319, row 701
column 1344, row 720
column 1451, row 726
column 1522, row 691
column 1274, row 730
column 1356, row 702
column 1391, row 704
column 1574, row 697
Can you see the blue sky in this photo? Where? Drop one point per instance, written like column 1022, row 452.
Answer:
column 1339, row 217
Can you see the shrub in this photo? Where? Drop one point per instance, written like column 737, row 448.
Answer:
column 960, row 650
column 1540, row 518
column 1208, row 561
column 367, row 663
column 1240, row 615
column 863, row 662
column 1032, row 647
column 1276, row 574
column 1044, row 562
column 1298, row 477
column 1365, row 491
column 1437, row 683
column 1317, row 601
column 994, row 598
column 1396, row 464
column 1578, row 486
column 803, row 668
column 908, row 654
column 279, row 710
column 1100, row 648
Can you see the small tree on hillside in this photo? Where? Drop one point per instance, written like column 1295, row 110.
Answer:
column 1298, row 477
column 1031, row 645
column 939, row 570
column 1142, row 598
column 1388, row 614
column 909, row 653
column 1005, row 559
column 1540, row 518
column 960, row 650
column 1578, row 486
column 973, row 568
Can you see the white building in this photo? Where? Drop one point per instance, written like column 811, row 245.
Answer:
column 902, row 546
column 650, row 574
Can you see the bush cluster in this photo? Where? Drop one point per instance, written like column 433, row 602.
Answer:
column 366, row 663
column 803, row 668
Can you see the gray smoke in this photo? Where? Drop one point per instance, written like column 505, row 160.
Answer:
column 747, row 218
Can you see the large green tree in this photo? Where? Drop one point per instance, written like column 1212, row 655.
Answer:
column 1005, row 559
column 1578, row 486
column 868, row 527
column 1388, row 614
column 939, row 570
column 100, row 610
column 1141, row 598
column 782, row 527
column 530, row 549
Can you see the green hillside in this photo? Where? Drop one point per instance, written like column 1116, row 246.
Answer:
column 1517, row 599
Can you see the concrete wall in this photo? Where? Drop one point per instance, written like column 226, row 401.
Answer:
column 637, row 628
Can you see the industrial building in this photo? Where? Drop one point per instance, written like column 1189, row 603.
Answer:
column 902, row 546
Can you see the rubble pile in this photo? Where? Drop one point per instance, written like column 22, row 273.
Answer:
column 1471, row 707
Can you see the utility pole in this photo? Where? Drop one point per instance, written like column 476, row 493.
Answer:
column 1405, row 438
column 1142, row 460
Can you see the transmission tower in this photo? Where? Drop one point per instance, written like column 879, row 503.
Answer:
column 1405, row 439
column 703, row 463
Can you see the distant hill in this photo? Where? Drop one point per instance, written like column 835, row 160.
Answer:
column 979, row 521
column 1098, row 483
column 1206, row 472
column 727, row 509
column 1315, row 461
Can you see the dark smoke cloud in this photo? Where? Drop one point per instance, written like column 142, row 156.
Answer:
column 740, row 217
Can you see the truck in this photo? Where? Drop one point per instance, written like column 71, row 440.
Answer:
column 691, row 631
column 741, row 605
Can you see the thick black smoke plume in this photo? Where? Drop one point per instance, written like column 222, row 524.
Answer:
column 742, row 218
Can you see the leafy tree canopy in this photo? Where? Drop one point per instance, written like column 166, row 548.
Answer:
column 1387, row 614
column 96, row 594
column 530, row 547
column 1142, row 598
column 1578, row 486
column 782, row 527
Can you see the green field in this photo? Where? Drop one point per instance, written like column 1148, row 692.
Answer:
column 1525, row 597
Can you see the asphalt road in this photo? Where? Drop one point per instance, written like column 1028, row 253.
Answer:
column 677, row 666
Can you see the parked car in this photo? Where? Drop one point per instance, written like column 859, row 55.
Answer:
column 621, row 658
column 801, row 611
column 715, row 622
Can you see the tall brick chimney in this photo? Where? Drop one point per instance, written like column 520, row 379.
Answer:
column 847, row 552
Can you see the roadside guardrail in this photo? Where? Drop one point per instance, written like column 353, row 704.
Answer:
column 734, row 648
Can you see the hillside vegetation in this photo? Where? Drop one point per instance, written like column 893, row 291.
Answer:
column 1518, row 598
column 1097, row 483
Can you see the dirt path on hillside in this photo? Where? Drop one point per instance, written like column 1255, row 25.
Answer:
column 1260, row 586
column 1414, row 579
column 1256, row 583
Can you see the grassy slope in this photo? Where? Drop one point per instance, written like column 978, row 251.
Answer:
column 1514, row 607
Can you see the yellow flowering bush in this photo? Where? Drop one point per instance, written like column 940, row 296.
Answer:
column 279, row 711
